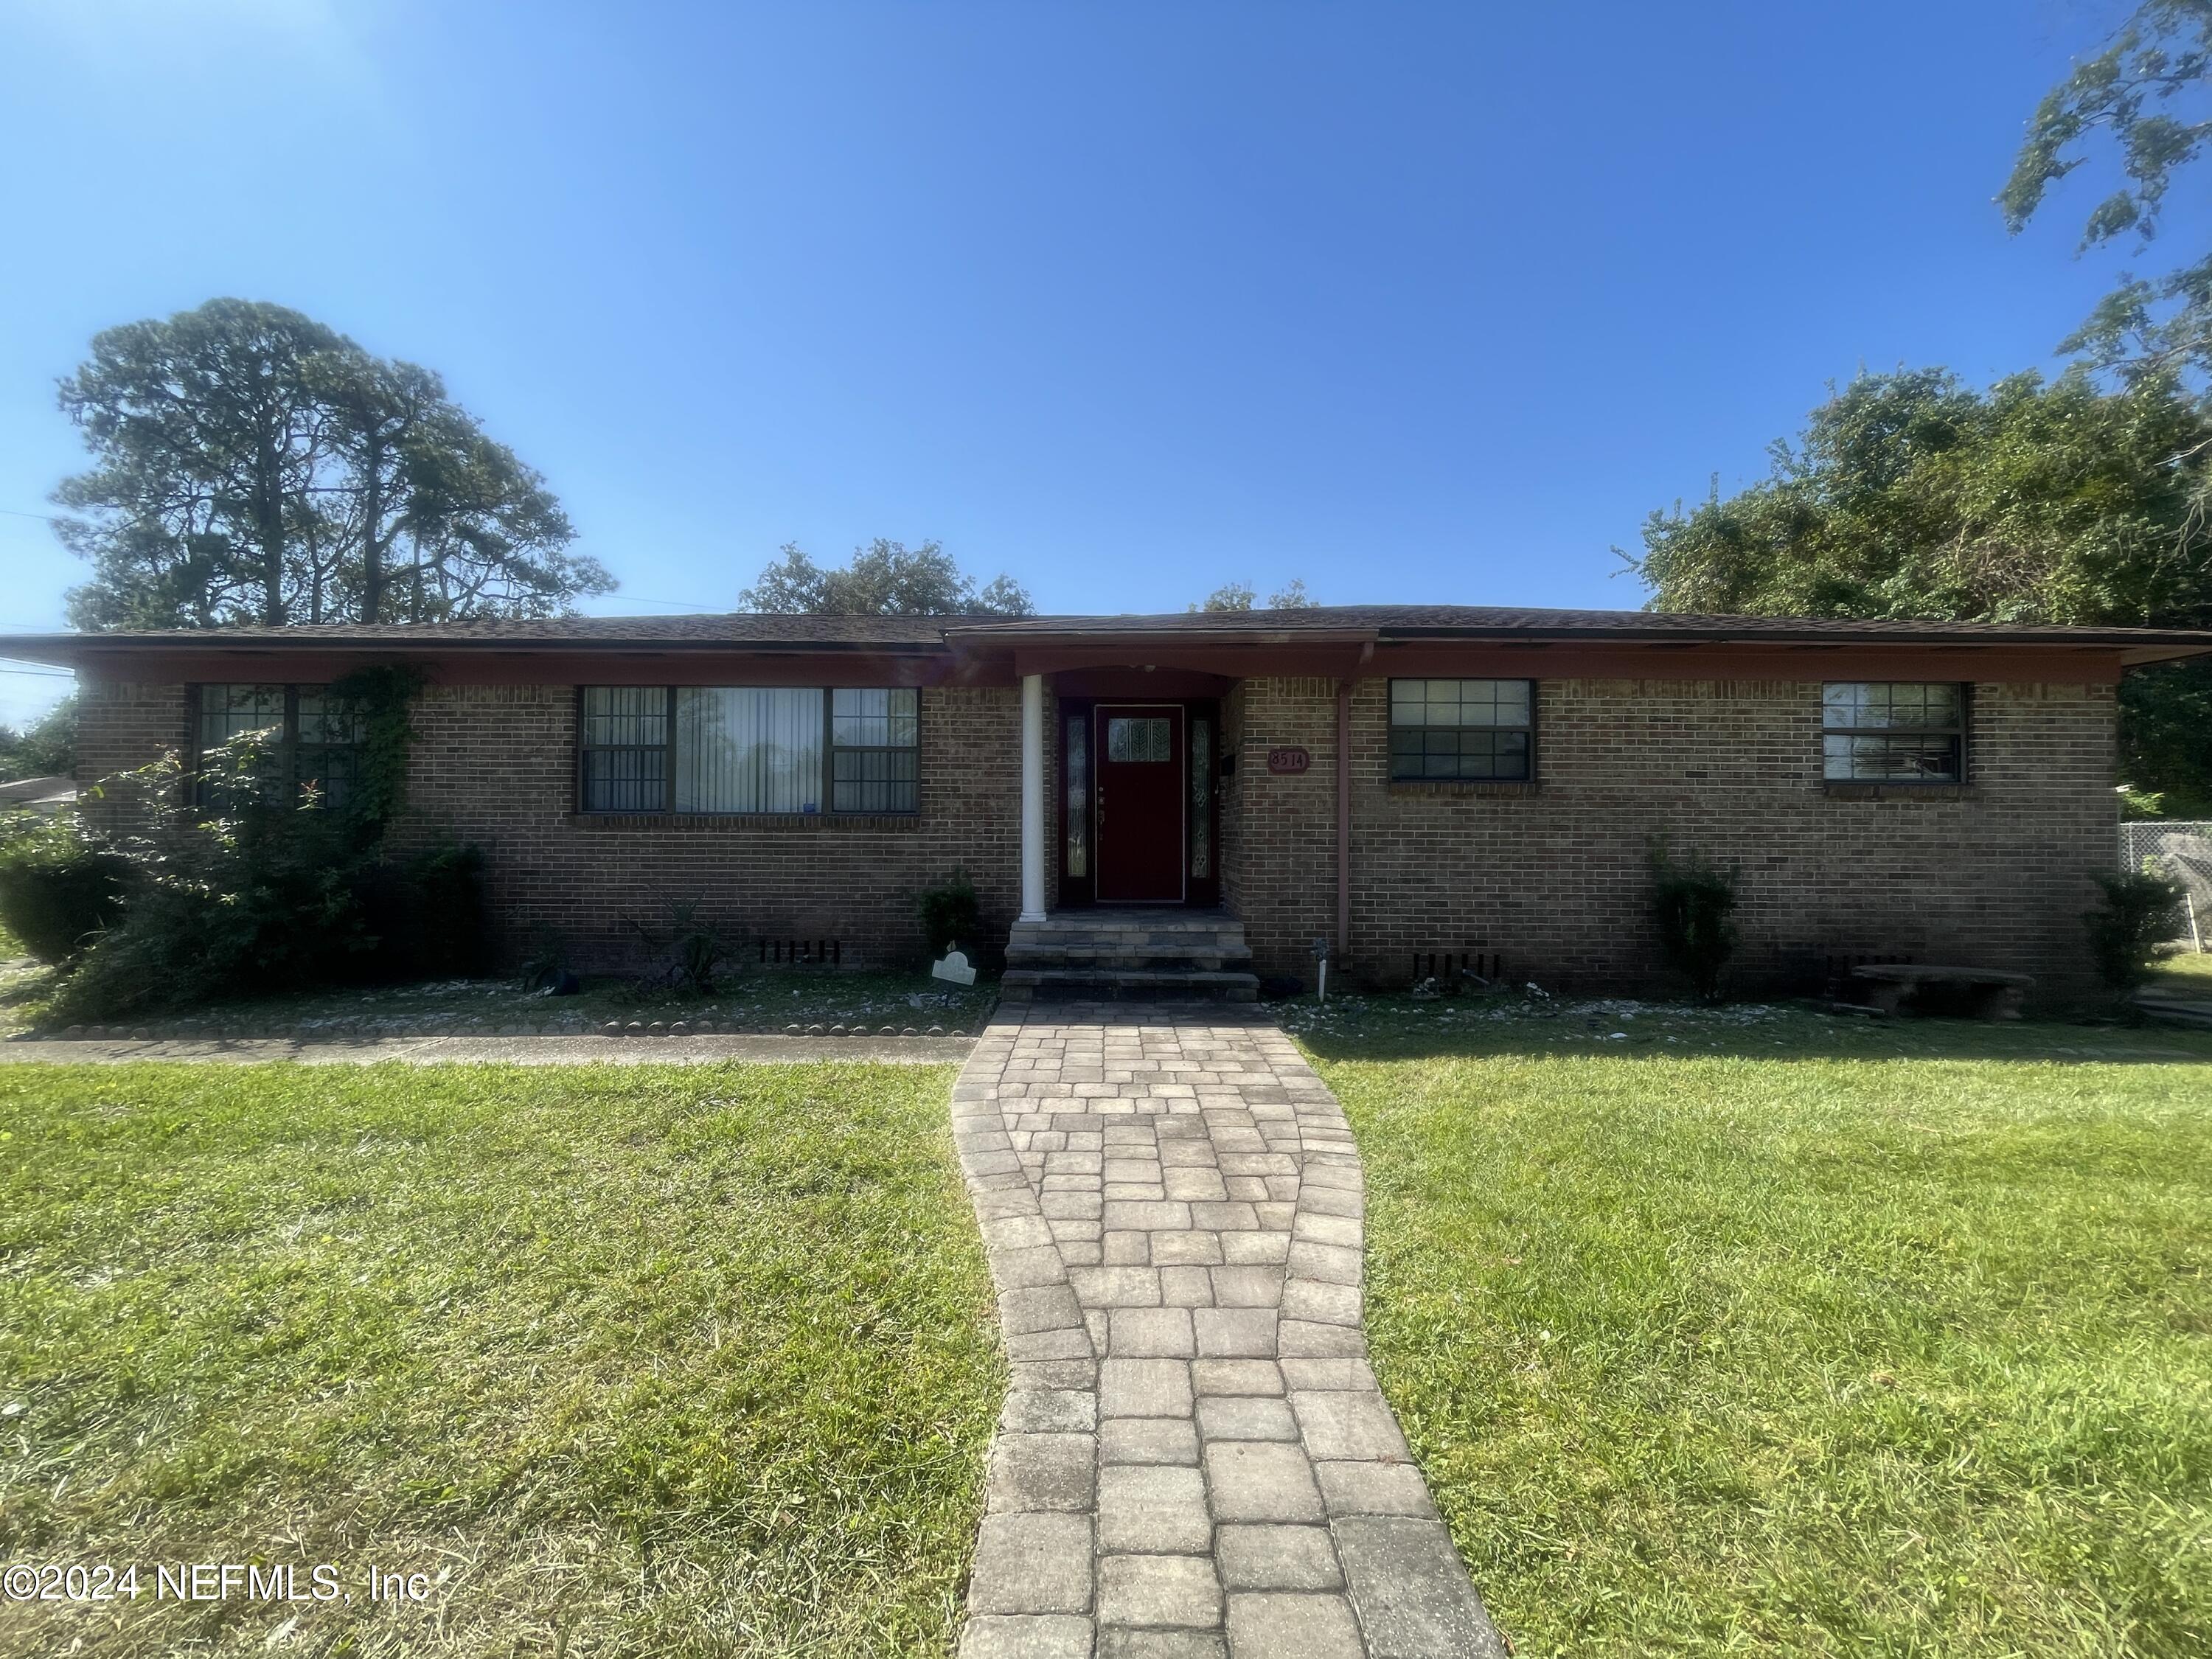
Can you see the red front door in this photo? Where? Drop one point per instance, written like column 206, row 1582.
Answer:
column 1141, row 765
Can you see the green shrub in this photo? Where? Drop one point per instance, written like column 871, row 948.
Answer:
column 1693, row 904
column 256, row 894
column 950, row 913
column 2127, row 929
column 56, row 891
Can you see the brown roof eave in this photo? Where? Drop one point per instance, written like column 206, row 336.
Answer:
column 67, row 648
column 2185, row 643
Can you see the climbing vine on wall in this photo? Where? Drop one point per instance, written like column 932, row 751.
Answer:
column 381, row 697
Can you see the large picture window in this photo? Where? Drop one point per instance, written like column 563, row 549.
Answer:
column 314, row 738
column 1893, row 732
column 783, row 749
column 748, row 749
column 1472, row 731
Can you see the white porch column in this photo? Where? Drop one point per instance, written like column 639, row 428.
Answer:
column 1032, row 797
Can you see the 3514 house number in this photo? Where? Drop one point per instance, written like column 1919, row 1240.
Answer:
column 1288, row 763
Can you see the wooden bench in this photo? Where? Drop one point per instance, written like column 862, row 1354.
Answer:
column 1978, row 992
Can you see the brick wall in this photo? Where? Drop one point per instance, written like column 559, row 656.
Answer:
column 121, row 727
column 495, row 766
column 1555, row 876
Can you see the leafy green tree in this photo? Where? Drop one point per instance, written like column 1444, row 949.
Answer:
column 2136, row 96
column 1241, row 596
column 45, row 749
column 1914, row 496
column 885, row 578
column 252, row 465
column 1229, row 595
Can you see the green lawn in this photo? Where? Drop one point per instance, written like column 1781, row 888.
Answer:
column 1757, row 1334
column 2186, row 973
column 678, row 1360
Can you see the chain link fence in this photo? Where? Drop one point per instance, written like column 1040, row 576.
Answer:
column 2181, row 852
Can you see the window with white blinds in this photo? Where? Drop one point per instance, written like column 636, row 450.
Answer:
column 748, row 749
column 780, row 750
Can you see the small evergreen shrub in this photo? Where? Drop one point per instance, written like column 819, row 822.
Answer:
column 950, row 913
column 2126, row 930
column 1693, row 904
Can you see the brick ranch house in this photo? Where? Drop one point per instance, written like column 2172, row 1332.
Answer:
column 1403, row 781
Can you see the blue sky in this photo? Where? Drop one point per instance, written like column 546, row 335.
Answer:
column 1415, row 302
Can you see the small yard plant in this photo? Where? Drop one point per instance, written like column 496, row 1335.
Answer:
column 950, row 913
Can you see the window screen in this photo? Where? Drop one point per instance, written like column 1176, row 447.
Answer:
column 875, row 749
column 625, row 750
column 327, row 744
column 1893, row 732
column 1459, row 729
column 314, row 737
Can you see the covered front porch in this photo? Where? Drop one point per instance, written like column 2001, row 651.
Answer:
column 1122, row 842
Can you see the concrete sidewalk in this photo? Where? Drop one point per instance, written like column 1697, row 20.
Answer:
column 501, row 1050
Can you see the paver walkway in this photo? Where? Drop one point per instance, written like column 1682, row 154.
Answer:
column 1194, row 1460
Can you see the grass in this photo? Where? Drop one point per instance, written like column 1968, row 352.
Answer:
column 1753, row 1332
column 665, row 1360
column 2187, row 973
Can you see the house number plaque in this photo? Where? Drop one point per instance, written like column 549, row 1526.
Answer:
column 1288, row 763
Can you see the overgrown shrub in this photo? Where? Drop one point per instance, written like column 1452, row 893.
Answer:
column 2127, row 929
column 57, row 889
column 1693, row 904
column 254, row 893
column 428, row 914
column 950, row 913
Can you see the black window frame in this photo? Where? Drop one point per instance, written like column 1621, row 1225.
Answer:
column 1958, row 734
column 586, row 748
column 293, row 754
column 667, row 748
column 1394, row 760
column 831, row 748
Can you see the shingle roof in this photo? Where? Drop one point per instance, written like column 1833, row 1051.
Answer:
column 1388, row 622
column 1383, row 623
